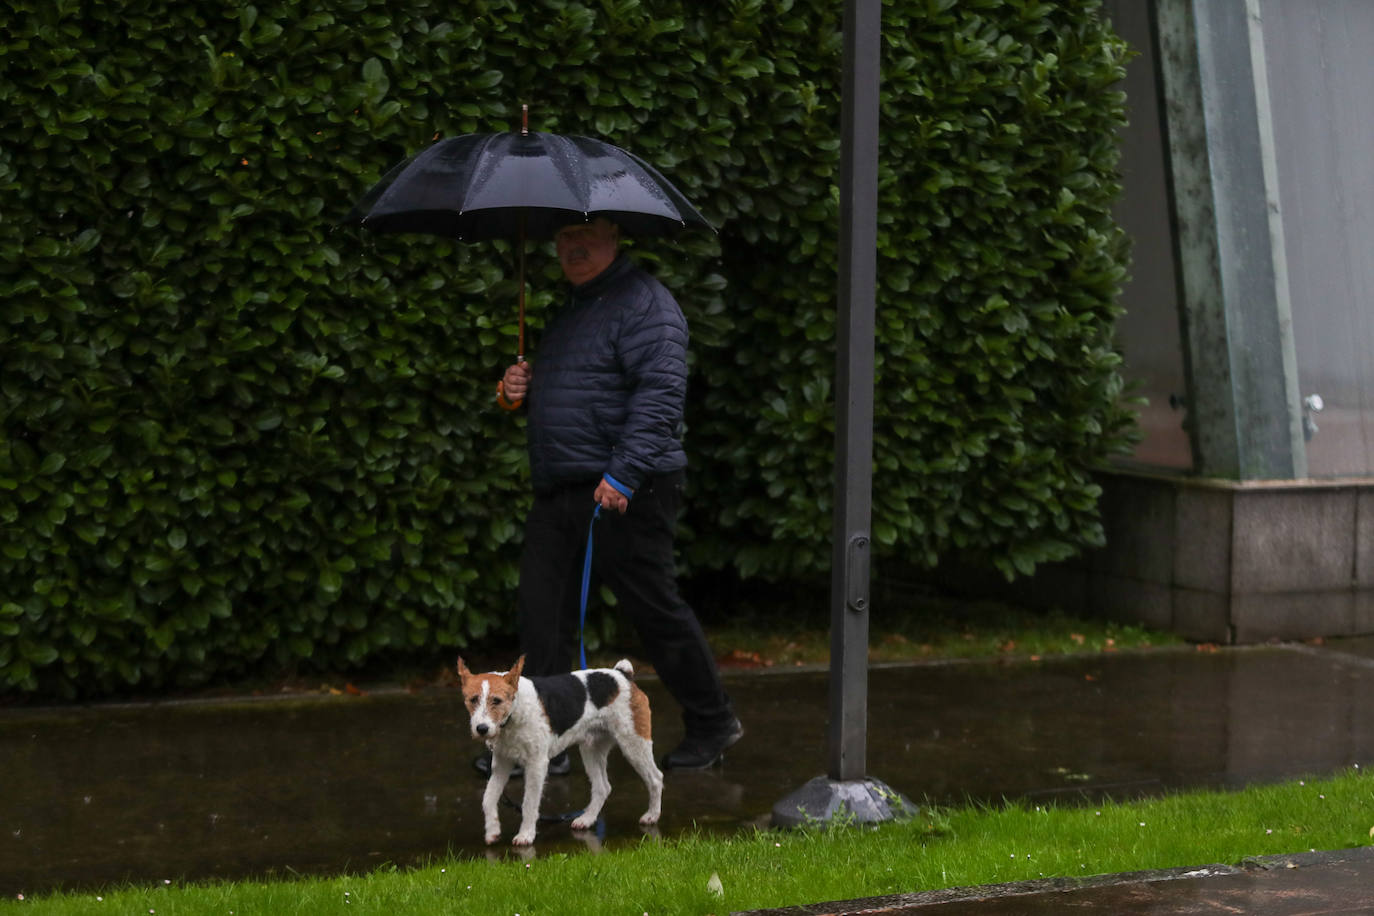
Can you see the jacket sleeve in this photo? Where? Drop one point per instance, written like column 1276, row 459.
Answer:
column 653, row 351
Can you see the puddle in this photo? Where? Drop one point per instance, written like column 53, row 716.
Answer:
column 95, row 795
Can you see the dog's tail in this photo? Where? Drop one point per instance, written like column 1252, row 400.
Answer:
column 625, row 668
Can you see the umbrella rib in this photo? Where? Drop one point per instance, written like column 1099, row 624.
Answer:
column 481, row 158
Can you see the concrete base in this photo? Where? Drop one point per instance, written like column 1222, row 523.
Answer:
column 1215, row 560
column 822, row 800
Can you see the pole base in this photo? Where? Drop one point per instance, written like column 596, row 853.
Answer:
column 823, row 800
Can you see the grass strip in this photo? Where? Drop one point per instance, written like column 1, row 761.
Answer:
column 938, row 849
column 970, row 631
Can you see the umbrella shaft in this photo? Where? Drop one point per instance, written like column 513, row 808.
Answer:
column 520, row 343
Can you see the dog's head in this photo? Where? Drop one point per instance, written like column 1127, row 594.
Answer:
column 490, row 698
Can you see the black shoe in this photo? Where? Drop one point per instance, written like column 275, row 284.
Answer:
column 560, row 765
column 697, row 752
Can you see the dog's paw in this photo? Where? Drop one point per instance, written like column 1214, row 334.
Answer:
column 648, row 820
column 584, row 823
column 492, row 838
column 523, row 839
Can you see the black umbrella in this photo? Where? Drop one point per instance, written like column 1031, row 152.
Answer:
column 521, row 184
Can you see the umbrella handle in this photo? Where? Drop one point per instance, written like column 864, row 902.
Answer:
column 501, row 398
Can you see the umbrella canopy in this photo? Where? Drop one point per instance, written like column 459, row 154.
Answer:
column 521, row 185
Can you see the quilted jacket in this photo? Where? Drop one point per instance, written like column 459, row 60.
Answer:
column 608, row 385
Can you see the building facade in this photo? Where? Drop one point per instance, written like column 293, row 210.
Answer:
column 1247, row 511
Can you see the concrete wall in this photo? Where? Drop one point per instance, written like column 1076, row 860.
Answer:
column 1224, row 561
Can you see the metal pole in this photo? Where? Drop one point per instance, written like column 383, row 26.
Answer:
column 847, row 792
column 849, row 592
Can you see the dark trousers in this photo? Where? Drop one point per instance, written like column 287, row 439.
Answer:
column 633, row 555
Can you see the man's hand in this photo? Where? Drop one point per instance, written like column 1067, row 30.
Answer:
column 516, row 382
column 608, row 497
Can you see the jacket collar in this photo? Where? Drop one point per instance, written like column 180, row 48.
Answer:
column 604, row 280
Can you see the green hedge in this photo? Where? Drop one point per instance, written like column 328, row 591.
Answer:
column 238, row 439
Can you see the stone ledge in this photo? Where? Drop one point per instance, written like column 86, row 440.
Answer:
column 1215, row 560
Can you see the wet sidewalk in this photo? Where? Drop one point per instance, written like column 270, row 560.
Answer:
column 189, row 791
column 1298, row 885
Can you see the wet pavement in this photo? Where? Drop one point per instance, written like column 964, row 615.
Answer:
column 96, row 794
column 1299, row 885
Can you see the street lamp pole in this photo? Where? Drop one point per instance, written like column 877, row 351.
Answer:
column 847, row 791
column 854, row 359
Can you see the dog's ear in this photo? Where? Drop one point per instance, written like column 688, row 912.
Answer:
column 513, row 676
column 463, row 671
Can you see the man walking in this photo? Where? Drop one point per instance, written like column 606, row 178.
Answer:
column 604, row 411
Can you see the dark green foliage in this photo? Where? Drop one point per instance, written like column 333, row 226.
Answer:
column 236, row 438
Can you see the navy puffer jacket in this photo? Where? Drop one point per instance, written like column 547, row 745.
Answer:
column 609, row 381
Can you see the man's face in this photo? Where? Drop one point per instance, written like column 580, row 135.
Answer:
column 586, row 249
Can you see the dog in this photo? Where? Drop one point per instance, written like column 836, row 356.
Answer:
column 529, row 720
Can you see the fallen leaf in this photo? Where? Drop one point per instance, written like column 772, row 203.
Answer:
column 1078, row 638
column 353, row 690
column 739, row 658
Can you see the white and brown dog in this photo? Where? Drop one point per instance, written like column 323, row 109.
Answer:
column 529, row 720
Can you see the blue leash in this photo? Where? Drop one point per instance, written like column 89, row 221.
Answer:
column 586, row 583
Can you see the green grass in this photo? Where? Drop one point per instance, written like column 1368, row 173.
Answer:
column 936, row 630
column 927, row 628
column 940, row 848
